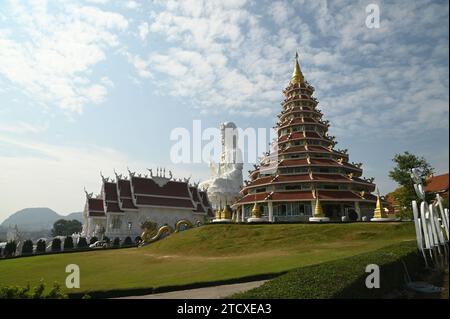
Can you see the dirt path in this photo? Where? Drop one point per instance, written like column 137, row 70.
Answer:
column 216, row 292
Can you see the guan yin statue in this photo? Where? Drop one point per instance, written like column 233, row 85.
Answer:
column 226, row 179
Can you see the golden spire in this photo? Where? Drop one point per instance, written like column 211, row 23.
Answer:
column 318, row 212
column 297, row 76
column 379, row 211
column 256, row 212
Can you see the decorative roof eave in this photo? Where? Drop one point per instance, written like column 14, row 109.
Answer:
column 285, row 197
column 295, row 123
column 306, row 181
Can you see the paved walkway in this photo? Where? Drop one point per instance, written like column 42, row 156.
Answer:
column 216, row 292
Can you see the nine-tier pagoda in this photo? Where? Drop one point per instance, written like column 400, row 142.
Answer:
column 305, row 175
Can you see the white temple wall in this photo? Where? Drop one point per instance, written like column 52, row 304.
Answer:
column 160, row 216
column 169, row 216
column 91, row 227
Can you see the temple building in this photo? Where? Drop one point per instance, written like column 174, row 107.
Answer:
column 304, row 175
column 126, row 202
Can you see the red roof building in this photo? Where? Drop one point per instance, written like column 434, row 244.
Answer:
column 437, row 184
column 126, row 202
column 305, row 165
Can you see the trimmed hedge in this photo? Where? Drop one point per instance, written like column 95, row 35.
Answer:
column 15, row 292
column 344, row 278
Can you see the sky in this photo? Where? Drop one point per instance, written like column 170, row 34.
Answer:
column 97, row 85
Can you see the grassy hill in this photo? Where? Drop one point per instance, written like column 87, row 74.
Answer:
column 209, row 253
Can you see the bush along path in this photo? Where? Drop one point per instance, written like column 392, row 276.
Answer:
column 345, row 278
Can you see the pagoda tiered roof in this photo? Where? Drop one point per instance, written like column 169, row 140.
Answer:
column 307, row 195
column 304, row 158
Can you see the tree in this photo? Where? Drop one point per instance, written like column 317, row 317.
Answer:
column 56, row 244
column 116, row 242
column 64, row 227
column 68, row 243
column 127, row 242
column 27, row 247
column 10, row 248
column 401, row 173
column 40, row 246
column 82, row 243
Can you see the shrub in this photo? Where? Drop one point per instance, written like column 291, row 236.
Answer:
column 137, row 240
column 55, row 292
column 93, row 240
column 56, row 244
column 68, row 243
column 14, row 292
column 40, row 246
column 27, row 247
column 38, row 291
column 343, row 278
column 127, row 241
column 10, row 249
column 116, row 242
column 107, row 240
column 82, row 243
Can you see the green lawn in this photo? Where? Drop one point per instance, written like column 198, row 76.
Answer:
column 208, row 253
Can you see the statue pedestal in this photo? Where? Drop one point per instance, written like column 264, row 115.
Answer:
column 319, row 219
column 382, row 219
column 256, row 220
column 222, row 221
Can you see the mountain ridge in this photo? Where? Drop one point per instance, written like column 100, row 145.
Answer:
column 37, row 219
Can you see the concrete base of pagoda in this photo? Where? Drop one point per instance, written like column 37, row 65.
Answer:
column 382, row 219
column 319, row 219
column 256, row 220
column 222, row 220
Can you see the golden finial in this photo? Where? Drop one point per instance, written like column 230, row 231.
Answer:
column 379, row 211
column 297, row 76
column 227, row 213
column 318, row 212
column 256, row 212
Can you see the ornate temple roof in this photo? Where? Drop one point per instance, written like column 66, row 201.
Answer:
column 144, row 191
column 95, row 207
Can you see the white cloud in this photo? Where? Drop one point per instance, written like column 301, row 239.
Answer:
column 23, row 127
column 143, row 30
column 132, row 4
column 52, row 56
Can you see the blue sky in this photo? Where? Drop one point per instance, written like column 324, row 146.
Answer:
column 96, row 85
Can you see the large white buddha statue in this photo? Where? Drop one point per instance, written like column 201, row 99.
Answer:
column 226, row 179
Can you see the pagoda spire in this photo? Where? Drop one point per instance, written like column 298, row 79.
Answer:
column 379, row 211
column 318, row 212
column 297, row 75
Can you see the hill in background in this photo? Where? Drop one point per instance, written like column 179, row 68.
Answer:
column 36, row 219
